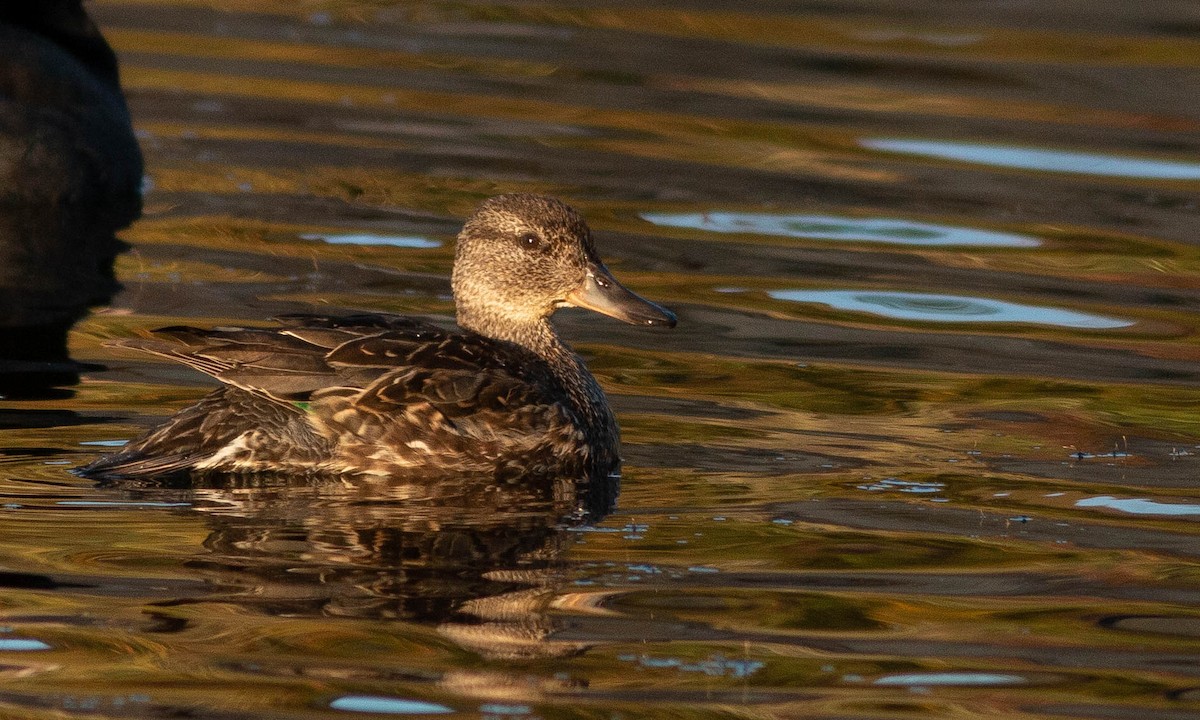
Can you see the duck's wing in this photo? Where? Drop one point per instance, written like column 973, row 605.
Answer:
column 284, row 365
column 385, row 392
column 442, row 398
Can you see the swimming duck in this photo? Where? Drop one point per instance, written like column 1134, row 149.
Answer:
column 72, row 176
column 381, row 395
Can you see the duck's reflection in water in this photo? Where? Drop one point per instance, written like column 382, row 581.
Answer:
column 477, row 558
column 70, row 176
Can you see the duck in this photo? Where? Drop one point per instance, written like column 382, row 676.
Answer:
column 387, row 396
column 72, row 174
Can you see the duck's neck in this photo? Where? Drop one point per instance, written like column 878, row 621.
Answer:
column 539, row 336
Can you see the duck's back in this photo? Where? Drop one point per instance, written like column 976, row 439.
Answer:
column 364, row 394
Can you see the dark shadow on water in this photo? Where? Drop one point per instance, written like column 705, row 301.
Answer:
column 477, row 558
column 15, row 419
column 72, row 174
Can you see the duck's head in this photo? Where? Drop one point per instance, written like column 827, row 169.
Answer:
column 520, row 257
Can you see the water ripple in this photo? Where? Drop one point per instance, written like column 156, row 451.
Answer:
column 836, row 227
column 404, row 241
column 1139, row 506
column 951, row 679
column 947, row 308
column 22, row 644
column 387, row 705
column 1027, row 158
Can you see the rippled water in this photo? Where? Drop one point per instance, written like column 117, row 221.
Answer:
column 830, row 508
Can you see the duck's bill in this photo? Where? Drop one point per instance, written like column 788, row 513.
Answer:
column 601, row 292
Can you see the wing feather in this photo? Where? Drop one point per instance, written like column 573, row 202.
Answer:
column 363, row 390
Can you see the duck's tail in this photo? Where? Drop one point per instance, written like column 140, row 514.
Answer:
column 230, row 430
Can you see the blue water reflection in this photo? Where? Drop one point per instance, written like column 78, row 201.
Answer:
column 404, row 241
column 499, row 709
column 894, row 485
column 836, row 227
column 387, row 705
column 22, row 644
column 1139, row 506
column 715, row 665
column 976, row 679
column 1024, row 158
column 947, row 308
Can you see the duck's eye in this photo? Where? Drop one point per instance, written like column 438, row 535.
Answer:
column 529, row 241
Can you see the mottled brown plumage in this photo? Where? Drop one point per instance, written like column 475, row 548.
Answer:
column 385, row 395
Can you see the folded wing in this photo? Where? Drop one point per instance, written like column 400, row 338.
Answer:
column 357, row 394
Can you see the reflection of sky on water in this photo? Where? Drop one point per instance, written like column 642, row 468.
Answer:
column 1024, row 158
column 1139, row 506
column 893, row 484
column 501, row 709
column 715, row 665
column 836, row 227
column 404, row 241
column 951, row 678
column 946, row 308
column 22, row 644
column 387, row 705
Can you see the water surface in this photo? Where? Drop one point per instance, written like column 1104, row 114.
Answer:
column 827, row 511
column 946, row 308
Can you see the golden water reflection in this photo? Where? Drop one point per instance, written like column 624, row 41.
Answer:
column 824, row 513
